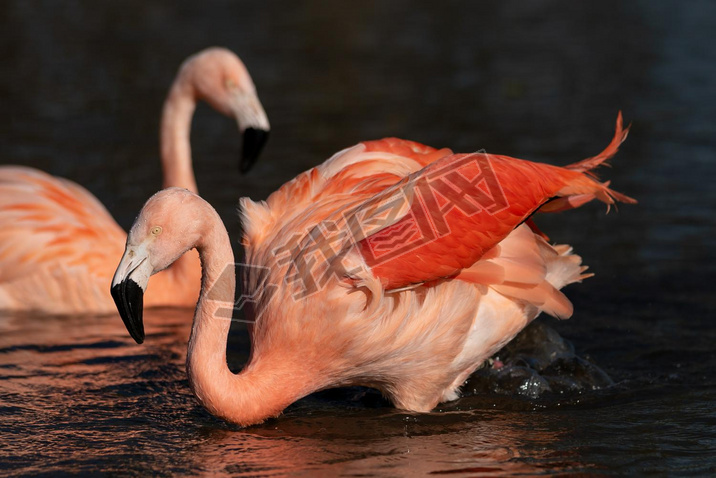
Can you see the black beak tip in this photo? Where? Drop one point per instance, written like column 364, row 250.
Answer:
column 254, row 141
column 129, row 299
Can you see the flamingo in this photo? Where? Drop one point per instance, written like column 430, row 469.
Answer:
column 392, row 265
column 58, row 243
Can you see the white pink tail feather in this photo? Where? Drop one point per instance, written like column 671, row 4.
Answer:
column 529, row 269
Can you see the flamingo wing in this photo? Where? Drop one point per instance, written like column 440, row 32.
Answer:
column 54, row 229
column 346, row 179
column 455, row 209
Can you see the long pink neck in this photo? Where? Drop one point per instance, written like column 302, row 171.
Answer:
column 174, row 136
column 177, row 171
column 268, row 384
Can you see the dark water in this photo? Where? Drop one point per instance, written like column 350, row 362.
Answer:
column 81, row 90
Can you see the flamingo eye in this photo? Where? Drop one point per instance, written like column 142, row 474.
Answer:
column 156, row 230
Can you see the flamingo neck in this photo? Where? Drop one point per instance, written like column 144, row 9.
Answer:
column 175, row 133
column 267, row 385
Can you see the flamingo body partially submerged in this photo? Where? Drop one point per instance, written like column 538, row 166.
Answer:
column 59, row 245
column 392, row 265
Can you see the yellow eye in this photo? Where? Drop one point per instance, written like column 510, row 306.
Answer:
column 156, row 230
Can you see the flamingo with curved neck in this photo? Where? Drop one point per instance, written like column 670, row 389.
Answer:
column 58, row 243
column 217, row 76
column 392, row 265
column 172, row 222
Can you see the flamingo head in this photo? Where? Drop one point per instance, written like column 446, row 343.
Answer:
column 164, row 230
column 218, row 77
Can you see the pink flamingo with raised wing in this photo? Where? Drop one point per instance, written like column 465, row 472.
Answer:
column 392, row 265
column 58, row 244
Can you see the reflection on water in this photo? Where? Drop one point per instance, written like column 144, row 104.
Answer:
column 396, row 445
column 78, row 394
column 81, row 90
column 94, row 399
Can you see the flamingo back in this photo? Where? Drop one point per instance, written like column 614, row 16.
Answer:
column 53, row 231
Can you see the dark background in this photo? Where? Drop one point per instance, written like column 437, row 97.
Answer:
column 81, row 90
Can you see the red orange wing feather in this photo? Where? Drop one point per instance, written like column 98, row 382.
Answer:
column 461, row 206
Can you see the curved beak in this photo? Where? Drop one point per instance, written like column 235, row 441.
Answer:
column 254, row 141
column 128, row 286
column 254, row 126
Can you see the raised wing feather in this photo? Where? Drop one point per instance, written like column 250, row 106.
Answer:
column 461, row 206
